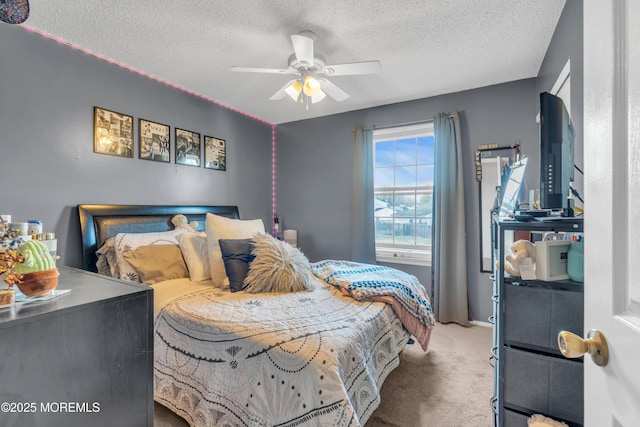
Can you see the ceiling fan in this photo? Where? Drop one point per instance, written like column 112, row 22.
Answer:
column 307, row 65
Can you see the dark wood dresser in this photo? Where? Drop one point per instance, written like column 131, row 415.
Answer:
column 84, row 358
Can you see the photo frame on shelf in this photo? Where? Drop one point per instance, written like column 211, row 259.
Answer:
column 188, row 148
column 215, row 153
column 155, row 141
column 112, row 133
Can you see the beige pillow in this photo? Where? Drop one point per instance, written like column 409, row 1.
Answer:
column 196, row 256
column 157, row 263
column 219, row 227
column 125, row 242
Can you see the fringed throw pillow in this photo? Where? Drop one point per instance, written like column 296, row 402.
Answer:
column 277, row 267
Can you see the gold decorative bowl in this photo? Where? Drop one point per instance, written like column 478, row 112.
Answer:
column 39, row 283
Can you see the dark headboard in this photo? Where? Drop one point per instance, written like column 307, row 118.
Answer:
column 99, row 222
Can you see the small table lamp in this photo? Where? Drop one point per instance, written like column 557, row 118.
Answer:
column 291, row 237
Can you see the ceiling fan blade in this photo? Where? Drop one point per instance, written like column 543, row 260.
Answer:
column 264, row 70
column 303, row 48
column 332, row 90
column 281, row 92
column 367, row 67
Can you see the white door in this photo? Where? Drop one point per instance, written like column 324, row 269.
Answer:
column 612, row 208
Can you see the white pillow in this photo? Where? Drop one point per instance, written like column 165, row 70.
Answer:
column 195, row 254
column 219, row 227
column 129, row 241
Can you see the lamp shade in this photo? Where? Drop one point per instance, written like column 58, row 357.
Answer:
column 311, row 86
column 307, row 90
column 291, row 237
column 294, row 90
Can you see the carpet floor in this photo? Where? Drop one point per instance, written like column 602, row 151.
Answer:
column 449, row 386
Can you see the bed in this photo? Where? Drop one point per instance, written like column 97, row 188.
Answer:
column 226, row 358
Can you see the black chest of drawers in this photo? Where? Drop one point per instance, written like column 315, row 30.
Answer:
column 530, row 374
column 84, row 358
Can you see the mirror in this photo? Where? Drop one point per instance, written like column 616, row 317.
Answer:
column 512, row 189
column 492, row 165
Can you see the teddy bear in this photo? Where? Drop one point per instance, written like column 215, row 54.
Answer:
column 519, row 249
column 181, row 222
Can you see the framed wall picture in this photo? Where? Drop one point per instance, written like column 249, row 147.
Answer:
column 112, row 133
column 215, row 153
column 155, row 141
column 188, row 148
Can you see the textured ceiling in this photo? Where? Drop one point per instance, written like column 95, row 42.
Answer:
column 427, row 47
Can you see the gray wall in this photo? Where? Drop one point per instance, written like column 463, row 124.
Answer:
column 47, row 95
column 315, row 157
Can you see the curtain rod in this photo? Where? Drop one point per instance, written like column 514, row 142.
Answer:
column 417, row 122
column 398, row 125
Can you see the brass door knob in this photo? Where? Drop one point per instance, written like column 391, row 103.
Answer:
column 571, row 346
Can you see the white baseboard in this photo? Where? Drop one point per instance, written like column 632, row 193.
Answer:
column 483, row 324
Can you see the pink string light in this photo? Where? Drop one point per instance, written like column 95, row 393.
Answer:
column 142, row 73
column 183, row 89
column 273, row 175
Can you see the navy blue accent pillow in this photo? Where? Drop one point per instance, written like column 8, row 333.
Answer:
column 236, row 255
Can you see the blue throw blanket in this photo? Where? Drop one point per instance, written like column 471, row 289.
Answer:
column 364, row 281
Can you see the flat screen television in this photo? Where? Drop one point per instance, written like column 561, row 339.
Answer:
column 556, row 152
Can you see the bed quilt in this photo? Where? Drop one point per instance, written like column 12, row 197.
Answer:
column 307, row 358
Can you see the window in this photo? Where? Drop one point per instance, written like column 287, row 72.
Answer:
column 403, row 189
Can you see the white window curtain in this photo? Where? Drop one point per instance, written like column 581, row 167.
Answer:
column 449, row 264
column 363, row 245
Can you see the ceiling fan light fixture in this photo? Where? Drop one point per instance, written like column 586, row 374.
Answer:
column 311, row 86
column 294, row 90
column 307, row 88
